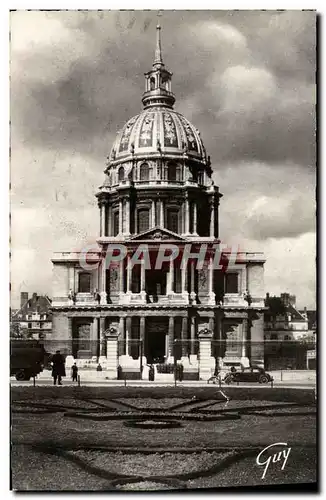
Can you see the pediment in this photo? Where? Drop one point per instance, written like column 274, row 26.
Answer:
column 157, row 234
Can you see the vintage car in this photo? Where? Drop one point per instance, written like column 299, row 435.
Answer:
column 27, row 358
column 252, row 374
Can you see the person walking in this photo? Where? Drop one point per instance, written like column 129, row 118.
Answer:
column 58, row 368
column 74, row 372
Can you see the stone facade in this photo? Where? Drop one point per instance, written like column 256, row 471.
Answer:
column 158, row 189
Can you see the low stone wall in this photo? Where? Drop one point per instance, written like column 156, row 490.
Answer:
column 293, row 375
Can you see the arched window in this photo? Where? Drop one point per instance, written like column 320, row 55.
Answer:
column 173, row 219
column 144, row 172
column 143, row 220
column 152, row 83
column 121, row 174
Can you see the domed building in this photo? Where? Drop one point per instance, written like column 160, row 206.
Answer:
column 158, row 194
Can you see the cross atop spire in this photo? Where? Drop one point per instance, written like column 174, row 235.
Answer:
column 158, row 79
column 158, row 51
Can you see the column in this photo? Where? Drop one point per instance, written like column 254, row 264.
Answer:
column 171, row 338
column 103, row 293
column 94, row 338
column 141, row 349
column 244, row 348
column 193, row 335
column 172, row 274
column 184, row 337
column 184, row 290
column 129, row 274
column 206, row 362
column 102, row 218
column 122, row 336
column 120, row 216
column 102, row 339
column 212, row 218
column 112, row 357
column 142, row 330
column 195, row 218
column 192, row 282
column 70, row 337
column 127, row 228
column 161, row 213
column 153, row 213
column 109, row 228
column 136, row 222
column 128, row 335
column 122, row 277
column 211, row 293
column 142, row 280
column 211, row 325
column 187, row 220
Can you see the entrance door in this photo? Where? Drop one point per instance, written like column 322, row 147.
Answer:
column 156, row 283
column 155, row 339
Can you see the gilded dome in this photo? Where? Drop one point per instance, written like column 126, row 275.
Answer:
column 156, row 130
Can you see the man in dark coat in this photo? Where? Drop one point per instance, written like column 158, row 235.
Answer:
column 58, row 368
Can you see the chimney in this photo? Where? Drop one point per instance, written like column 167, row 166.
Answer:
column 285, row 299
column 23, row 298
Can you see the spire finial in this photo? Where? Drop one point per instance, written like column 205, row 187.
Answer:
column 158, row 50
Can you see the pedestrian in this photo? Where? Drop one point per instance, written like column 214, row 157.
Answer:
column 99, row 368
column 151, row 373
column 74, row 372
column 180, row 372
column 58, row 368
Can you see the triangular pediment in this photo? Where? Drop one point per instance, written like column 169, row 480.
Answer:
column 157, row 234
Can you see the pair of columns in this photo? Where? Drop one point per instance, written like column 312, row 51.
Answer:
column 190, row 206
column 106, row 218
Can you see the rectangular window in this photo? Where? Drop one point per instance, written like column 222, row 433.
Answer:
column 173, row 220
column 231, row 283
column 29, row 325
column 84, row 285
column 143, row 220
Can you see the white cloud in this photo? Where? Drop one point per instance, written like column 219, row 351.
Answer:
column 32, row 30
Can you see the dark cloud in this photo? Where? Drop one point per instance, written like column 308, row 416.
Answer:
column 98, row 91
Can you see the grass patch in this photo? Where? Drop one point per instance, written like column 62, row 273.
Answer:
column 204, row 393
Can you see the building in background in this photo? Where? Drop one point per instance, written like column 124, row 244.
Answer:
column 159, row 189
column 34, row 318
column 288, row 333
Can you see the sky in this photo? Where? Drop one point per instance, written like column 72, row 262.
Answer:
column 245, row 79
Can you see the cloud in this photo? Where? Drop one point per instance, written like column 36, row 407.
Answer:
column 246, row 79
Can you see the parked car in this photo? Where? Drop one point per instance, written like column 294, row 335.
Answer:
column 252, row 374
column 27, row 358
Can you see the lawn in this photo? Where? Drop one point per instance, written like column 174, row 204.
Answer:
column 58, row 443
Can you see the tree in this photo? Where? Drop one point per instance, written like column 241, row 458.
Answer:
column 275, row 305
column 15, row 332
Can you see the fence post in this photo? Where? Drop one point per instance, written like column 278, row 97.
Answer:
column 125, row 379
column 34, row 381
column 175, row 362
column 78, row 380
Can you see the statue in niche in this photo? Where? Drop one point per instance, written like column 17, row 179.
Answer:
column 202, row 279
